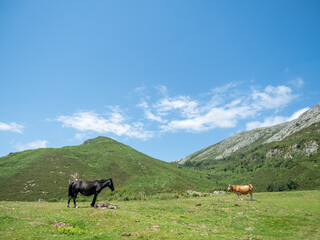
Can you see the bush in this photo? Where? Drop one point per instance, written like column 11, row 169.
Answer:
column 292, row 185
column 188, row 163
column 282, row 186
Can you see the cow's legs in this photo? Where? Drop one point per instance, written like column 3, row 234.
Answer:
column 251, row 196
column 94, row 199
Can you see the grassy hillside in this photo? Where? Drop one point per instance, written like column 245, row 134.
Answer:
column 45, row 173
column 292, row 163
column 287, row 215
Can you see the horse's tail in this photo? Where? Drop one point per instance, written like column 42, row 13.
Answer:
column 71, row 189
column 250, row 187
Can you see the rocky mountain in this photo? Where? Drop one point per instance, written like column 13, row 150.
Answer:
column 255, row 137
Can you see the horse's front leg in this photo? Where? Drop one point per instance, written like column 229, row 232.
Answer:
column 94, row 199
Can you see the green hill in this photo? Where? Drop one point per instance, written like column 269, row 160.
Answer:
column 45, row 173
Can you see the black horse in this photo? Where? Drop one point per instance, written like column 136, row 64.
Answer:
column 88, row 188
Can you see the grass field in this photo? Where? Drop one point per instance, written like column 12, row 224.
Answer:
column 283, row 215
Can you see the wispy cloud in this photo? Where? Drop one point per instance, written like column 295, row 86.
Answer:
column 12, row 127
column 80, row 136
column 297, row 83
column 148, row 114
column 187, row 107
column 32, row 145
column 274, row 120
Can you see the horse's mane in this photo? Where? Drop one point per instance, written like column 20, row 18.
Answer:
column 103, row 180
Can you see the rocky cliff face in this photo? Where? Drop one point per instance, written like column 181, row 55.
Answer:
column 306, row 149
column 257, row 137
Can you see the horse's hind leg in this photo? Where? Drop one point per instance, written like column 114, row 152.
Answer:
column 94, row 199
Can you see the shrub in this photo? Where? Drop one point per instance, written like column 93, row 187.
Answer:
column 292, row 185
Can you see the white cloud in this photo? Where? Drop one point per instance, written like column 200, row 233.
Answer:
column 80, row 136
column 224, row 109
column 187, row 107
column 148, row 114
column 270, row 121
column 274, row 120
column 13, row 127
column 272, row 97
column 32, row 145
column 298, row 113
column 91, row 121
column 163, row 90
column 298, row 82
column 215, row 117
column 221, row 107
column 225, row 88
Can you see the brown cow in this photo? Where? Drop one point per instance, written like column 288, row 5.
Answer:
column 241, row 190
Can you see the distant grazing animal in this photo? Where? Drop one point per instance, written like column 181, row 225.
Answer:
column 241, row 190
column 88, row 188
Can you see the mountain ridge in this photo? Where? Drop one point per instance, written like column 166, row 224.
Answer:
column 256, row 136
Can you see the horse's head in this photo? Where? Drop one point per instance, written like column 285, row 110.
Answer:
column 111, row 185
column 230, row 188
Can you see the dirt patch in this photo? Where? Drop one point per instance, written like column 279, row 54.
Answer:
column 126, row 234
column 156, row 227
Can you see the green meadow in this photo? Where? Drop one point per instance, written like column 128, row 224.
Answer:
column 275, row 215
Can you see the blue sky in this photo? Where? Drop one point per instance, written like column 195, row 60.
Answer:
column 167, row 78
